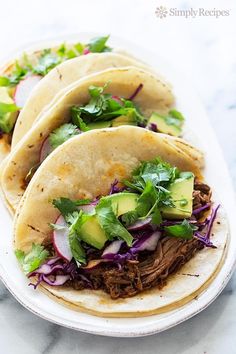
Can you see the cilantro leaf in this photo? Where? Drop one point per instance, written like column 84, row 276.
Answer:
column 151, row 180
column 31, row 261
column 77, row 120
column 183, row 230
column 46, row 62
column 103, row 107
column 77, row 249
column 110, row 223
column 62, row 134
column 4, row 81
column 129, row 218
column 98, row 45
column 67, row 206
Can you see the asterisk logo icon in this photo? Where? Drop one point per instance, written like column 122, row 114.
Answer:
column 161, row 12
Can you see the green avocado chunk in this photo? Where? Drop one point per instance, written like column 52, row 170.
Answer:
column 123, row 202
column 182, row 194
column 8, row 111
column 163, row 125
column 99, row 125
column 124, row 120
column 91, row 231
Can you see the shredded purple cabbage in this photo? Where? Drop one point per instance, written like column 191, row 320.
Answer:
column 139, row 88
column 57, row 271
column 197, row 211
column 205, row 237
column 114, row 189
column 153, row 127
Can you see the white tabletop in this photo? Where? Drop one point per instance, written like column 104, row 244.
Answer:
column 203, row 48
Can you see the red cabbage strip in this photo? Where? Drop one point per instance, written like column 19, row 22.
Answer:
column 212, row 219
column 197, row 211
column 139, row 88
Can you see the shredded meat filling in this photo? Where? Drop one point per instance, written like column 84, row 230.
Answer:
column 153, row 268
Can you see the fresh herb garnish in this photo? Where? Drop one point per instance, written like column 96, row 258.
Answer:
column 98, row 45
column 110, row 223
column 184, row 230
column 67, row 206
column 49, row 59
column 103, row 107
column 31, row 261
column 7, row 124
column 62, row 134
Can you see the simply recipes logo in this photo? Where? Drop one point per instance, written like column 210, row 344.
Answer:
column 163, row 12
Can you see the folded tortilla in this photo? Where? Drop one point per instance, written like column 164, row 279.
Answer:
column 155, row 96
column 84, row 167
column 50, row 88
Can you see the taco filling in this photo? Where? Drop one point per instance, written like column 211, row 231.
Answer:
column 105, row 110
column 130, row 240
column 20, row 78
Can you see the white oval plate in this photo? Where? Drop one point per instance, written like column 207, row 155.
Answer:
column 216, row 174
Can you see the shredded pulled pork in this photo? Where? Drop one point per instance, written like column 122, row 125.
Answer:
column 151, row 268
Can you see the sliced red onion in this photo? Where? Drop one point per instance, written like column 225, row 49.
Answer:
column 139, row 88
column 113, row 248
column 140, row 224
column 146, row 243
column 24, row 89
column 45, row 150
column 61, row 240
column 58, row 280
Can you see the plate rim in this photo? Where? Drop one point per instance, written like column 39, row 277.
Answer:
column 230, row 267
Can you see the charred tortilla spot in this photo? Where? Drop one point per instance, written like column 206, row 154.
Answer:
column 33, row 228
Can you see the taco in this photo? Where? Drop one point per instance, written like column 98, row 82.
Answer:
column 23, row 81
column 51, row 87
column 117, row 222
column 113, row 97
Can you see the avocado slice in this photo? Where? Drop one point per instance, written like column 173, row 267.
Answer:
column 164, row 124
column 99, row 125
column 8, row 111
column 123, row 202
column 124, row 120
column 92, row 233
column 182, row 194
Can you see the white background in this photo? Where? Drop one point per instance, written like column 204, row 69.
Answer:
column 204, row 50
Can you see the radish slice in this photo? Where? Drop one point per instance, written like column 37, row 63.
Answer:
column 140, row 224
column 24, row 88
column 61, row 240
column 87, row 208
column 45, row 150
column 113, row 248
